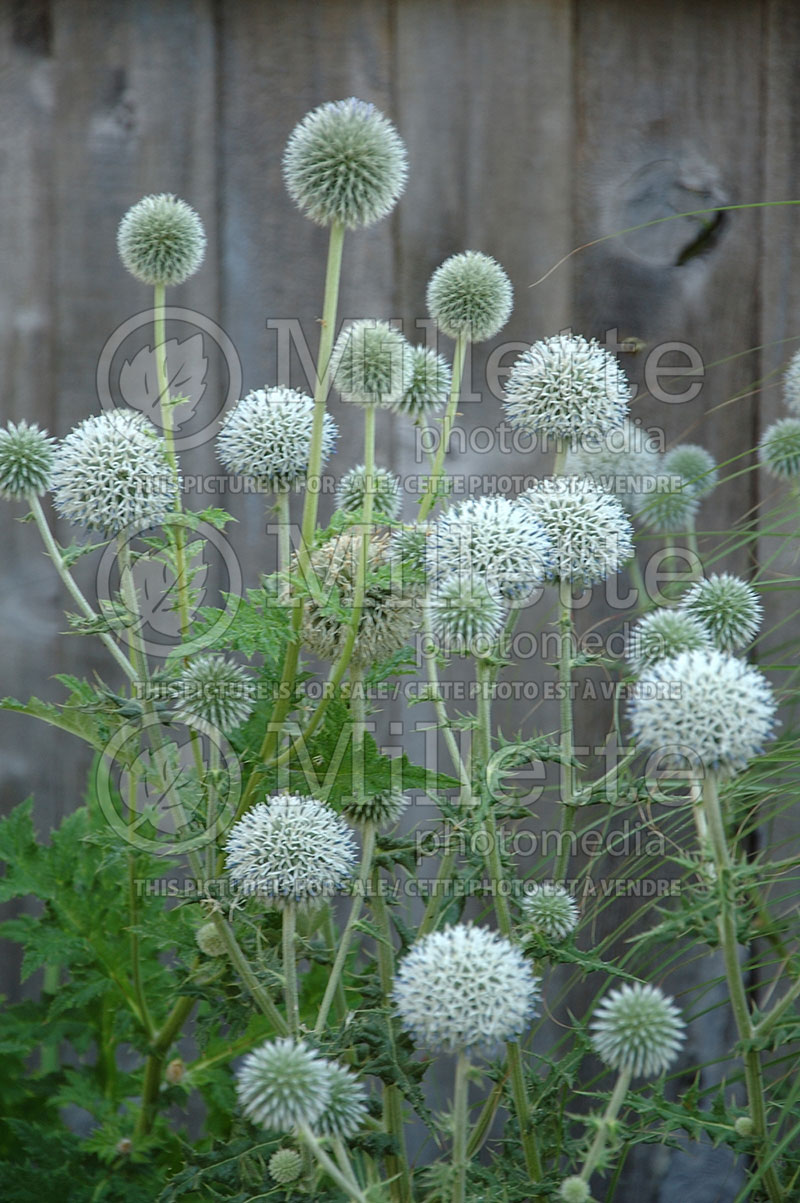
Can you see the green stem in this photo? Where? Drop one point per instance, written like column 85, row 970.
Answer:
column 331, row 939
column 154, row 1065
column 431, row 494
column 55, row 554
column 559, row 463
column 289, row 932
column 460, row 1116
column 611, row 1112
column 519, row 1093
column 567, row 733
column 347, row 1183
column 726, row 926
column 242, row 966
column 284, row 530
column 780, row 1008
column 334, row 981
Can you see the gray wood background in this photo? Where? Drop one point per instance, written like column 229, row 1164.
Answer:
column 532, row 126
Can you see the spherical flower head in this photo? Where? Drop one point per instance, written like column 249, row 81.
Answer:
column 637, row 1029
column 161, row 240
column 347, row 1105
column 549, row 910
column 267, row 438
column 470, row 295
column 663, row 635
column 743, row 1126
column 371, row 364
column 573, row 1190
column 779, row 449
column 622, row 460
column 588, row 528
column 494, row 538
column 464, row 987
column 409, row 546
column 285, row 1166
column 383, row 809
column 791, row 384
column 466, row 614
column 214, row 690
column 705, row 707
column 112, row 472
column 387, row 497
column 695, row 465
column 282, row 1084
column 567, row 387
column 429, row 385
column 727, row 607
column 391, row 614
column 209, row 941
column 290, row 849
column 345, row 162
column 26, row 460
column 669, row 505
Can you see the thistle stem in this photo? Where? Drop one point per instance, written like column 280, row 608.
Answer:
column 345, row 1182
column 284, row 530
column 289, row 933
column 567, row 732
column 242, row 966
column 726, row 926
column 346, row 937
column 431, row 494
column 460, row 1117
column 610, row 1114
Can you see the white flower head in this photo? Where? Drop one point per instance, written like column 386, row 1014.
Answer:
column 282, row 1084
column 466, row 614
column 549, row 910
column 704, row 706
column 26, row 460
column 346, row 1107
column 209, row 941
column 791, row 384
column 345, row 162
column 290, row 849
column 464, row 987
column 779, row 449
column 429, row 386
column 588, row 528
column 494, row 538
column 622, row 460
column 161, row 240
column 112, row 472
column 727, row 607
column 470, row 295
column 215, row 691
column 266, row 437
column 387, row 497
column 573, row 1190
column 663, row 635
column 638, row 1029
column 695, row 465
column 669, row 505
column 567, row 387
column 371, row 364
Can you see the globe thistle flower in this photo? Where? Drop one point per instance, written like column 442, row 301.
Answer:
column 283, row 1084
column 26, row 460
column 620, row 460
column 345, row 162
column 387, row 498
column 111, row 472
column 346, row 1107
column 213, row 690
column 383, row 809
column 209, row 941
column 267, row 438
column 791, row 384
column 161, row 240
column 285, row 1166
column 409, row 545
column 743, row 1126
column 573, row 1190
column 290, row 849
column 371, row 364
column 549, row 910
column 466, row 614
column 470, row 295
column 492, row 537
column 663, row 635
column 696, row 466
column 727, row 607
column 670, row 505
column 637, row 1029
column 391, row 615
column 464, row 987
column 429, row 386
column 175, row 1071
column 705, row 703
column 588, row 528
column 568, row 388
column 779, row 449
